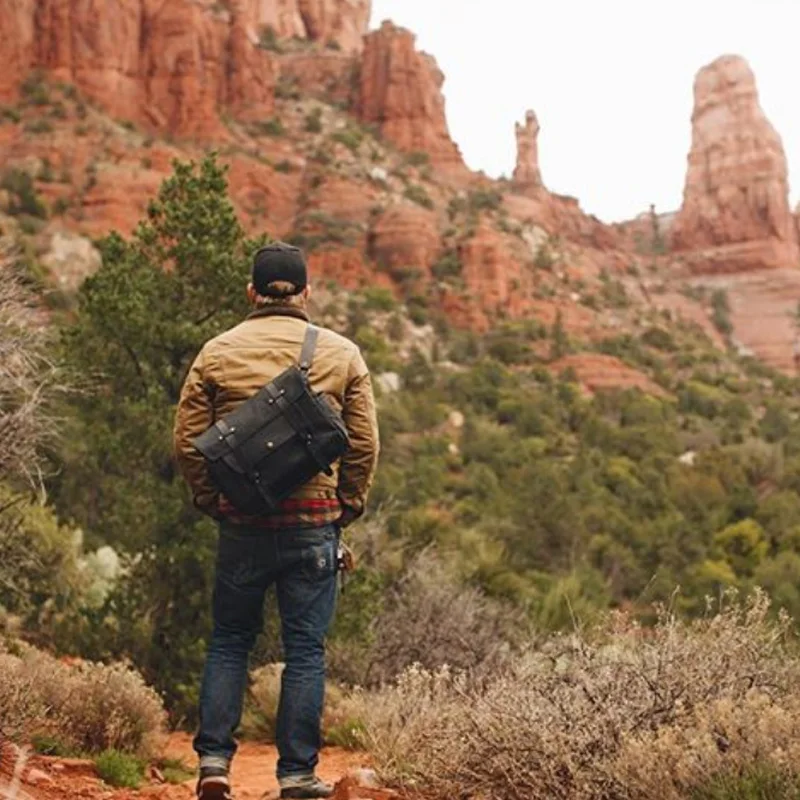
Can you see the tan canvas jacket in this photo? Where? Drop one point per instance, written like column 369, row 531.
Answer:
column 235, row 365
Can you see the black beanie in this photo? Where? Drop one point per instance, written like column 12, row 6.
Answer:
column 279, row 262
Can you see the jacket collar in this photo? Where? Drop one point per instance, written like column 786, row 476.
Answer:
column 279, row 311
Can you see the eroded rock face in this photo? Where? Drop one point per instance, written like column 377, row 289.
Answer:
column 171, row 65
column 401, row 93
column 493, row 271
column 338, row 23
column 406, row 236
column 735, row 214
column 526, row 173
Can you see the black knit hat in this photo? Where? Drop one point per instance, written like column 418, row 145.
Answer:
column 279, row 262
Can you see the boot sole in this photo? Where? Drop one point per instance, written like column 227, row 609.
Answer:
column 214, row 790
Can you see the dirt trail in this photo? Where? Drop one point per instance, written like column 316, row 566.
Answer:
column 253, row 771
column 253, row 776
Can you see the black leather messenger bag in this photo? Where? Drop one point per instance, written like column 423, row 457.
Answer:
column 276, row 441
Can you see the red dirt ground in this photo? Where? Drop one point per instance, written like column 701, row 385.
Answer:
column 253, row 776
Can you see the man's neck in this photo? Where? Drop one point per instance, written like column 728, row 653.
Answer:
column 298, row 312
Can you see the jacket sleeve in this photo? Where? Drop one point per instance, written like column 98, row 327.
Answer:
column 358, row 465
column 195, row 414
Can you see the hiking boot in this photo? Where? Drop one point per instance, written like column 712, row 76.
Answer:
column 213, row 784
column 305, row 787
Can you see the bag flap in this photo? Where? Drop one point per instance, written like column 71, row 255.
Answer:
column 253, row 415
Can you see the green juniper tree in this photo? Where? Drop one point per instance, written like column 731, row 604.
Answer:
column 177, row 281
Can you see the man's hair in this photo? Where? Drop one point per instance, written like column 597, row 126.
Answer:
column 281, row 293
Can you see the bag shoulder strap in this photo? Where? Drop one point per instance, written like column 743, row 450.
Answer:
column 309, row 348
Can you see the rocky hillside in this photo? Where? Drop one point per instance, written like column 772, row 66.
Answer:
column 337, row 139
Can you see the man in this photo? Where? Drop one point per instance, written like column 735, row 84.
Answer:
column 294, row 548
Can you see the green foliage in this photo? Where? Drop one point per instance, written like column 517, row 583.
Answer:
column 51, row 746
column 120, row 769
column 38, row 126
column 23, row 196
column 418, row 158
column 40, row 574
column 313, row 122
column 270, row 127
column 759, row 782
column 419, row 195
column 378, row 298
column 178, row 281
column 268, row 39
column 175, row 770
column 559, row 340
column 34, row 89
column 10, row 114
column 721, row 312
column 544, row 258
column 448, row 266
column 351, row 137
column 484, row 200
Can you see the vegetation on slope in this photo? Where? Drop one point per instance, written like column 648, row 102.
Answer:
column 509, row 501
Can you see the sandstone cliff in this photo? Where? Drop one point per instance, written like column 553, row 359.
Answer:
column 337, row 23
column 400, row 92
column 735, row 214
column 172, row 65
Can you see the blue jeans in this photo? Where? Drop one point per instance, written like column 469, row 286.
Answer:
column 303, row 565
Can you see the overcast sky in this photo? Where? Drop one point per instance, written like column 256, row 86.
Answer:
column 610, row 80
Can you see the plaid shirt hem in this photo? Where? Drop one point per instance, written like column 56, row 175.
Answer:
column 293, row 513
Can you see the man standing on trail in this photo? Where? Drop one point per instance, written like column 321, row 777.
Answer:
column 294, row 547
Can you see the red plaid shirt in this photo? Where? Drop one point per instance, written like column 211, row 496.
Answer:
column 306, row 512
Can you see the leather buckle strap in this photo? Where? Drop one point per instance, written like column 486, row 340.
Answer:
column 308, row 349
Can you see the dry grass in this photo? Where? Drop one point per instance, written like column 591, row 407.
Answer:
column 621, row 713
column 340, row 716
column 87, row 708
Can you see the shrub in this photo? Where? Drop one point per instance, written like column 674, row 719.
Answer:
column 419, row 195
column 613, row 713
column 34, row 89
column 11, row 114
column 24, row 198
column 721, row 312
column 448, row 266
column 120, row 769
column 484, row 200
column 340, row 722
column 418, row 158
column 350, row 137
column 378, row 298
column 38, row 126
column 86, row 708
column 268, row 39
column 313, row 122
column 427, row 617
column 269, row 127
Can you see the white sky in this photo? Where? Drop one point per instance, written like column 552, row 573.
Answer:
column 610, row 80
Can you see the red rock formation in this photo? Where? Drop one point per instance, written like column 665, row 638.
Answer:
column 327, row 75
column 171, row 65
column 400, row 92
column 735, row 213
column 494, row 272
column 405, row 236
column 526, row 174
column 341, row 23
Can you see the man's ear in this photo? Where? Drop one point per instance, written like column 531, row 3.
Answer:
column 252, row 294
column 307, row 292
